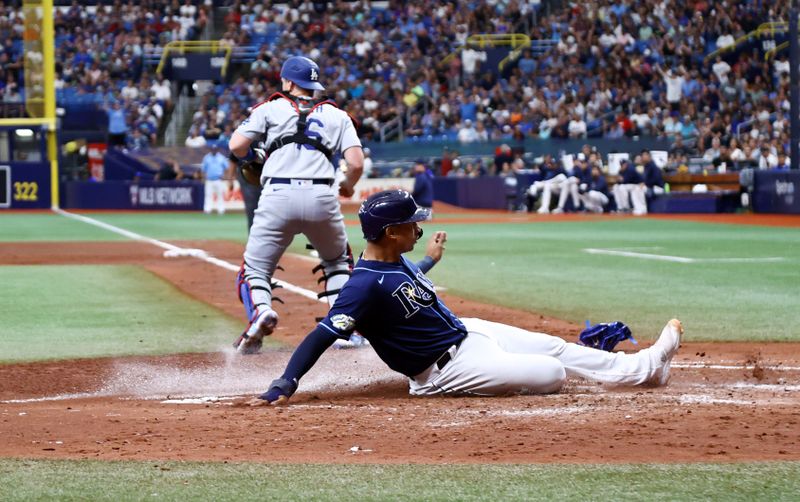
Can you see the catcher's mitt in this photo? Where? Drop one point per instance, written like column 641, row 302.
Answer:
column 251, row 169
column 605, row 336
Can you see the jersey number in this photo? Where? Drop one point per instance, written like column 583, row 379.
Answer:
column 312, row 134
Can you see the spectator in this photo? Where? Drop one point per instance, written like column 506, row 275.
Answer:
column 502, row 156
column 137, row 142
column 527, row 64
column 713, row 152
column 447, row 162
column 423, row 185
column 613, row 62
column 736, row 153
column 367, row 173
column 470, row 61
column 467, row 133
column 162, row 91
column 784, row 162
column 480, row 132
column 577, row 127
column 767, row 159
column 195, row 140
column 170, row 171
column 117, row 124
column 721, row 69
column 641, row 121
column 213, row 170
column 674, row 83
column 725, row 40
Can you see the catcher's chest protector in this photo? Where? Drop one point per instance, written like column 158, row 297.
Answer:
column 300, row 136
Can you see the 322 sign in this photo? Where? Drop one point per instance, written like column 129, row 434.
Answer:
column 27, row 191
column 24, row 187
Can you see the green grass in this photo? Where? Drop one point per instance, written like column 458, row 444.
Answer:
column 21, row 227
column 173, row 226
column 542, row 267
column 58, row 312
column 91, row 480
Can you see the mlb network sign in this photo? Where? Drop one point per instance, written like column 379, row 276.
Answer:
column 152, row 197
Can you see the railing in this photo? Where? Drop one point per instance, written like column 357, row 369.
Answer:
column 12, row 110
column 775, row 50
column 392, row 129
column 484, row 40
column 763, row 29
column 184, row 46
column 602, row 119
column 542, row 46
column 749, row 123
column 422, row 106
column 537, row 47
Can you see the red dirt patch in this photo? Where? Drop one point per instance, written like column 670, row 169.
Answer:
column 726, row 402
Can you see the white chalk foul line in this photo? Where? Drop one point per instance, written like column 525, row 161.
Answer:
column 681, row 259
column 179, row 251
column 712, row 366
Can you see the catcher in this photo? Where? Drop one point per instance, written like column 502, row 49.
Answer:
column 391, row 302
column 299, row 195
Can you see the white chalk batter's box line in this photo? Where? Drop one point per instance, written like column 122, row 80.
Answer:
column 672, row 393
column 714, row 366
column 172, row 251
column 680, row 259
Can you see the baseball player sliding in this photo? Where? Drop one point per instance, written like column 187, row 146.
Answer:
column 391, row 302
column 301, row 135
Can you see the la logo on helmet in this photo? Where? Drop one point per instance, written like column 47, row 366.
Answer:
column 314, row 75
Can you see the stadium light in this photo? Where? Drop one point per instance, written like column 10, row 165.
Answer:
column 24, row 133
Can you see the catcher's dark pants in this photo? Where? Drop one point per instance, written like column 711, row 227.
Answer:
column 250, row 195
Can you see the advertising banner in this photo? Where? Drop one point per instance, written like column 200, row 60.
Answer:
column 777, row 192
column 96, row 153
column 145, row 195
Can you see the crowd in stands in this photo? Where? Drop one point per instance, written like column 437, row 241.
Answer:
column 99, row 53
column 616, row 69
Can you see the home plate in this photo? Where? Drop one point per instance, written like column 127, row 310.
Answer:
column 198, row 400
column 180, row 252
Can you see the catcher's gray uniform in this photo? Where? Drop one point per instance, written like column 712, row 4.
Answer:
column 298, row 196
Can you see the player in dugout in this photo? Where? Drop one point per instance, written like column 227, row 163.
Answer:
column 391, row 302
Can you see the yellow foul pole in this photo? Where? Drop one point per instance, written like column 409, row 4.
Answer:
column 49, row 74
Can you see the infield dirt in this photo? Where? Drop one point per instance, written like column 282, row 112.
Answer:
column 726, row 401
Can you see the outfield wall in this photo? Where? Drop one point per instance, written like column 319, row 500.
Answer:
column 25, row 185
column 777, row 192
column 773, row 192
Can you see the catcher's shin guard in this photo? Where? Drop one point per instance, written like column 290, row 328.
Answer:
column 335, row 274
column 255, row 293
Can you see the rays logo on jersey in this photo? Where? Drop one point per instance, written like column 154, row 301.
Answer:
column 416, row 294
column 343, row 322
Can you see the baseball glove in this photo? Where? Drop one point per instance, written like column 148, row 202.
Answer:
column 606, row 336
column 251, row 169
